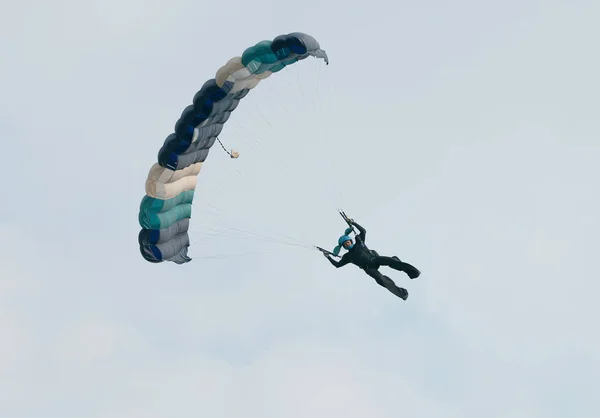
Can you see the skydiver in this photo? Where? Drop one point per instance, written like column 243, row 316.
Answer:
column 369, row 261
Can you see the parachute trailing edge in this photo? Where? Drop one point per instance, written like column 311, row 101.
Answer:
column 166, row 209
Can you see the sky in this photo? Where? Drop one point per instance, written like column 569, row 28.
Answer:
column 462, row 135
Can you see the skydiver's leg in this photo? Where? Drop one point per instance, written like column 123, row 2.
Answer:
column 397, row 264
column 387, row 283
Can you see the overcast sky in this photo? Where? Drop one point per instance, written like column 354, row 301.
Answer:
column 462, row 135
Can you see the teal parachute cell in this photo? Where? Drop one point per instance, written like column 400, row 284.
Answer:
column 165, row 211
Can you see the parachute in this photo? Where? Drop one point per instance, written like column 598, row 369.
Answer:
column 166, row 209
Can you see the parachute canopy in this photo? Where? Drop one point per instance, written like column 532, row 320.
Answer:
column 166, row 209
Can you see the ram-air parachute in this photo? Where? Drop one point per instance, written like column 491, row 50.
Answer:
column 166, row 209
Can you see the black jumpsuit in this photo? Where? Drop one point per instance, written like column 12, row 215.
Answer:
column 370, row 261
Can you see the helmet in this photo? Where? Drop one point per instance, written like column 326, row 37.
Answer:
column 343, row 239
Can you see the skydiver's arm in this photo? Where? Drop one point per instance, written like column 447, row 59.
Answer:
column 362, row 231
column 343, row 261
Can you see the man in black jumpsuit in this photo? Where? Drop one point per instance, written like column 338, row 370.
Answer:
column 370, row 261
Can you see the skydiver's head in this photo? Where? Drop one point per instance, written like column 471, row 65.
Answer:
column 346, row 242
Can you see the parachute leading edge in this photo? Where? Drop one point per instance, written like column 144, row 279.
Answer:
column 166, row 209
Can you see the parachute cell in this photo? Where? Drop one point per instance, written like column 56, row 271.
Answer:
column 166, row 209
